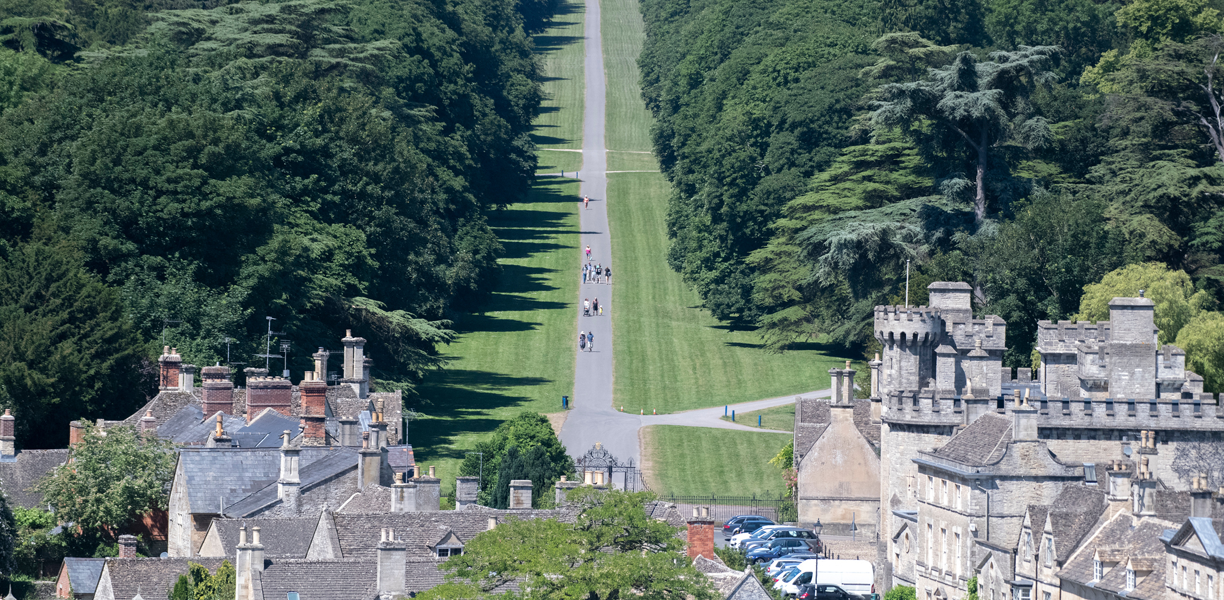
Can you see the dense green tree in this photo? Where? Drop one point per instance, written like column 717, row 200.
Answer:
column 66, row 347
column 612, row 550
column 1176, row 299
column 1203, row 340
column 111, row 478
column 538, row 455
column 970, row 108
column 8, row 537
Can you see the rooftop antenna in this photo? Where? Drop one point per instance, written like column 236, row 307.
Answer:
column 267, row 355
column 284, row 346
column 907, row 261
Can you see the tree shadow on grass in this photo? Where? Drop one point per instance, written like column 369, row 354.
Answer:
column 460, row 402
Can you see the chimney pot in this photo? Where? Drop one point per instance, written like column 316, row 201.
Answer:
column 127, row 546
column 564, row 478
column 492, row 523
column 431, row 471
column 242, row 536
column 255, row 535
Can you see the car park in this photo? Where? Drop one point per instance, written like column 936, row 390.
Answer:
column 787, row 561
column 786, row 532
column 740, row 538
column 731, row 524
column 752, row 524
column 777, row 548
column 853, row 576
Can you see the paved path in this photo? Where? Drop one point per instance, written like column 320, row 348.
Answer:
column 592, row 416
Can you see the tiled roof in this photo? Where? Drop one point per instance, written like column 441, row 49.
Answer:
column 321, row 471
column 1121, row 538
column 811, row 419
column 359, row 533
column 321, row 580
column 666, row 512
column 862, row 421
column 281, row 538
column 1072, row 515
column 748, row 588
column 152, row 578
column 83, row 573
column 422, row 573
column 982, row 443
column 18, row 476
column 711, row 565
column 229, row 475
column 164, row 405
column 369, row 500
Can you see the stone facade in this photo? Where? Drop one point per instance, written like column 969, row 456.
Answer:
column 1106, row 394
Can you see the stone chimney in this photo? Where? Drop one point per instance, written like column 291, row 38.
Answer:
column 467, row 491
column 354, row 364
column 250, row 566
column 269, row 392
column 848, row 384
column 403, row 495
column 1142, row 489
column 835, row 382
column 369, row 463
column 219, row 439
column 349, row 436
column 701, row 533
column 148, row 424
column 76, row 433
column 320, row 364
column 187, row 378
column 520, row 494
column 875, row 365
column 1119, row 481
column 289, row 483
column 8, row 439
column 392, row 564
column 429, row 492
column 127, row 546
column 562, row 490
column 1024, row 421
column 1201, row 501
column 492, row 524
column 169, row 363
column 314, row 410
column 218, row 390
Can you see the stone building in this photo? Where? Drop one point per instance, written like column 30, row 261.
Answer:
column 1106, row 394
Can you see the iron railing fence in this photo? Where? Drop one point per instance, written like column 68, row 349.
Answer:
column 767, row 505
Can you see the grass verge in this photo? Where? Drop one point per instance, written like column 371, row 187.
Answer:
column 778, row 418
column 631, row 161
column 722, row 461
column 627, row 118
column 671, row 355
column 559, row 122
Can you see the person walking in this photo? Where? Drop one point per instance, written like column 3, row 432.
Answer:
column 586, row 202
column 608, row 273
column 595, row 305
column 586, row 306
column 585, row 269
column 588, row 251
column 591, row 342
column 582, row 341
column 601, row 311
column 598, row 272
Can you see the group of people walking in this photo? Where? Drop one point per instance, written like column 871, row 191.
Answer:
column 595, row 273
column 586, row 341
column 589, row 309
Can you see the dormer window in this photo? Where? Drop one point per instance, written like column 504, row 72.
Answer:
column 1130, row 579
column 1028, row 546
column 1097, row 570
column 1049, row 552
column 446, row 552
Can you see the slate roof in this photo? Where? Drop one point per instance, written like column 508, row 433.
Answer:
column 281, row 537
column 811, row 419
column 862, row 421
column 164, row 406
column 369, row 500
column 322, row 470
column 1123, row 537
column 321, row 580
column 83, row 573
column 666, row 512
column 152, row 578
column 982, row 443
column 358, row 534
column 19, row 475
column 231, row 474
column 748, row 588
column 711, row 565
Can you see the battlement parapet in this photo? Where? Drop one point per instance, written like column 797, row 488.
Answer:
column 1194, row 411
column 914, row 325
column 992, row 331
column 1067, row 336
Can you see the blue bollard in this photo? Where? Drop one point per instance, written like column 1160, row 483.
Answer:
column 758, row 420
column 725, row 407
column 564, row 402
column 732, row 416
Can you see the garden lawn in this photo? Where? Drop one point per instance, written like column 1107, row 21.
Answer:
column 631, row 161
column 671, row 355
column 780, row 418
column 628, row 121
column 691, row 461
column 515, row 353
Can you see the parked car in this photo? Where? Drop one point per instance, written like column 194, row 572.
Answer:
column 787, row 561
column 791, row 532
column 777, row 548
column 853, row 576
column 786, row 576
column 811, row 591
column 752, row 524
column 740, row 537
column 730, row 525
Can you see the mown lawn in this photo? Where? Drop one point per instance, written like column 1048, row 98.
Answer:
column 671, row 355
column 780, row 418
column 631, row 161
column 515, row 354
column 628, row 121
column 690, row 461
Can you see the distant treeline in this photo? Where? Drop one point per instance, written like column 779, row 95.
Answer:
column 1028, row 148
column 174, row 172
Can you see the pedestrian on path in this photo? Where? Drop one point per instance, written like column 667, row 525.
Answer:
column 595, row 305
column 586, row 306
column 582, row 341
column 598, row 272
column 586, row 202
column 601, row 311
column 591, row 342
column 585, row 269
column 608, row 272
column 588, row 251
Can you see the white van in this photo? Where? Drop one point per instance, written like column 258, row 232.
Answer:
column 854, row 576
